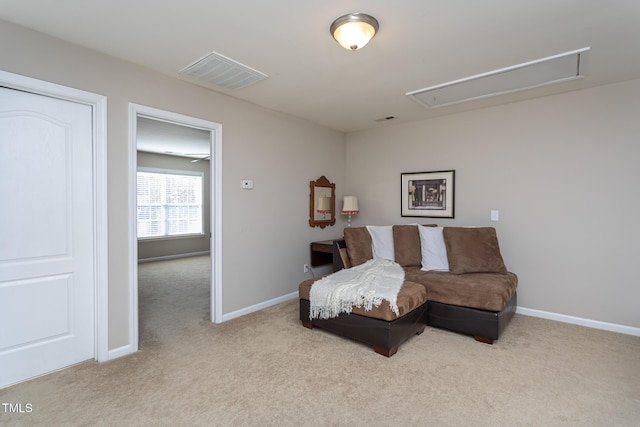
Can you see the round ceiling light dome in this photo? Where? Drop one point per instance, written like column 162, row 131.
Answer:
column 354, row 30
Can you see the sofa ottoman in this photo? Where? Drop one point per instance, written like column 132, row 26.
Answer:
column 380, row 327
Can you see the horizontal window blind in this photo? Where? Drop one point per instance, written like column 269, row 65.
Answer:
column 169, row 203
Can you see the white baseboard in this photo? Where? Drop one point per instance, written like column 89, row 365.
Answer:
column 596, row 324
column 166, row 257
column 260, row 306
column 116, row 353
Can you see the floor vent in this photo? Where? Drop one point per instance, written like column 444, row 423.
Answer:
column 221, row 71
column 542, row 72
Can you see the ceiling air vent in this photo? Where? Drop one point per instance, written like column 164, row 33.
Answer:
column 542, row 72
column 221, row 71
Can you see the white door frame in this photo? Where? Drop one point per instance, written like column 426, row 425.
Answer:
column 215, row 130
column 98, row 104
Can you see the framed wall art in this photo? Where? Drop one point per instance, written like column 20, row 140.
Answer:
column 428, row 194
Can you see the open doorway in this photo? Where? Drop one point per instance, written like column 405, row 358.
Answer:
column 169, row 147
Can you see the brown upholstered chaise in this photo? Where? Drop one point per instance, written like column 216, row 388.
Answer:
column 476, row 297
column 379, row 327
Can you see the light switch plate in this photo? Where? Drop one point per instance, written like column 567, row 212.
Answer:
column 495, row 215
column 247, row 184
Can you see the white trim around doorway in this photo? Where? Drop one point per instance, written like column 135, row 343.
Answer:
column 215, row 129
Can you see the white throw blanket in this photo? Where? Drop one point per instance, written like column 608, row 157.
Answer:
column 364, row 285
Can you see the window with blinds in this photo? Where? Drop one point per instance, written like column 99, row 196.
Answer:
column 169, row 203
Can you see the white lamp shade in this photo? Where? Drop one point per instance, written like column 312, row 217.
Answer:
column 350, row 205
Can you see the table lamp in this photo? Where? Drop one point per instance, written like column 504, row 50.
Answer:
column 350, row 207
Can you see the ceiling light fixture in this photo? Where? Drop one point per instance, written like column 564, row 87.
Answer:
column 354, row 30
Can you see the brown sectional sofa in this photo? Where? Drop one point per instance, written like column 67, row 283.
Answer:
column 476, row 296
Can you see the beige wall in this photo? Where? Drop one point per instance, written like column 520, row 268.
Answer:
column 563, row 172
column 265, row 231
column 155, row 248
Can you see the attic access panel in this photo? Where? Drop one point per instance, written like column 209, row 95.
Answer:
column 542, row 72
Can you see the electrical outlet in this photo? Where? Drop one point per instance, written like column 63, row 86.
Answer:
column 495, row 215
column 305, row 268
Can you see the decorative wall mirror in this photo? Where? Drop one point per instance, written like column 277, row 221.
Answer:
column 322, row 203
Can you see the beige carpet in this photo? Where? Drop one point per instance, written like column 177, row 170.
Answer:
column 266, row 369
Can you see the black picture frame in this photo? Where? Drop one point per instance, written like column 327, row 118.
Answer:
column 428, row 194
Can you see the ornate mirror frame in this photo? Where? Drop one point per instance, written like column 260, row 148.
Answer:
column 322, row 203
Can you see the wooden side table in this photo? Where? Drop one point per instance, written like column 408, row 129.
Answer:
column 321, row 253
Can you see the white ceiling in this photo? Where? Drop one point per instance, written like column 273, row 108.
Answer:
column 156, row 136
column 420, row 44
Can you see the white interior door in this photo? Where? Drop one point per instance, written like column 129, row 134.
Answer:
column 47, row 272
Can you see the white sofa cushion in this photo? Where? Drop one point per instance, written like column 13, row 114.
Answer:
column 434, row 250
column 382, row 241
